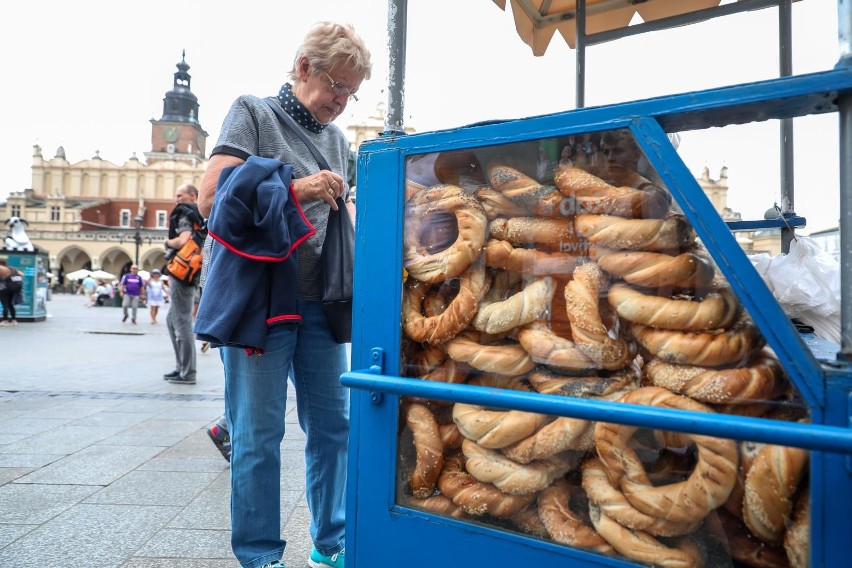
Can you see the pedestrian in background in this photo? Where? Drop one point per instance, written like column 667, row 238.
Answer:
column 181, row 295
column 87, row 288
column 11, row 284
column 157, row 291
column 328, row 69
column 131, row 287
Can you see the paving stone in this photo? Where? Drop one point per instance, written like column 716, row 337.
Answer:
column 11, row 533
column 88, row 535
column 33, row 425
column 27, row 460
column 170, row 488
column 65, row 439
column 8, row 474
column 185, row 543
column 35, row 504
column 210, row 509
column 95, row 465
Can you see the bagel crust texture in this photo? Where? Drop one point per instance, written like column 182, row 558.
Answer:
column 476, row 498
column 565, row 526
column 706, row 349
column 706, row 488
column 761, row 381
column 659, row 270
column 618, row 233
column 717, row 310
column 448, row 263
column 456, row 316
column 429, row 448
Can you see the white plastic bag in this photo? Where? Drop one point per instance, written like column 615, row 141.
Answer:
column 806, row 282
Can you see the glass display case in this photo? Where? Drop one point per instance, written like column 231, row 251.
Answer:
column 565, row 356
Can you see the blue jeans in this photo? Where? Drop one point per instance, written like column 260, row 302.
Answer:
column 255, row 400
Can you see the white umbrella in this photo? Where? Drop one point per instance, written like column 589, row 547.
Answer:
column 103, row 275
column 144, row 274
column 78, row 274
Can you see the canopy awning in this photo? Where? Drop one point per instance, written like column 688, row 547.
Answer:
column 537, row 20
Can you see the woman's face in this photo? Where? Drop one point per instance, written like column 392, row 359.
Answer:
column 326, row 93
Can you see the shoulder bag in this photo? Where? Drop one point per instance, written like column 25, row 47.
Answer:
column 338, row 249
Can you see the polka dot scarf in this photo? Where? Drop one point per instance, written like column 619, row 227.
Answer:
column 297, row 110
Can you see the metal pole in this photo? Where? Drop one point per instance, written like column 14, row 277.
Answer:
column 785, row 56
column 137, row 238
column 580, row 33
column 844, row 20
column 397, row 23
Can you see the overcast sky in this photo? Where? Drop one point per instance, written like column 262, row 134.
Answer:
column 90, row 75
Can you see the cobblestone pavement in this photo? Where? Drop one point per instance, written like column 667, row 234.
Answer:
column 103, row 463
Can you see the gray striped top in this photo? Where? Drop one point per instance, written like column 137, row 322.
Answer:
column 252, row 129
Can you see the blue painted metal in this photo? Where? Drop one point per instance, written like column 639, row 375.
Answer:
column 791, row 221
column 808, row 436
column 801, row 366
column 379, row 530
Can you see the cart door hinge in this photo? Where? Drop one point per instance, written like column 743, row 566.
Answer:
column 377, row 365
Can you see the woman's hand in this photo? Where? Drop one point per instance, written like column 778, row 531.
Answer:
column 325, row 185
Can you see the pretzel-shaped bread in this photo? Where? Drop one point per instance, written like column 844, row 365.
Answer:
column 770, row 488
column 760, row 381
column 474, row 497
column 457, row 315
column 507, row 358
column 672, row 233
column 659, row 270
column 495, row 428
column 706, row 488
column 565, row 526
column 541, row 200
column 582, row 303
column 593, row 195
column 490, row 466
column 707, row 349
column 556, row 352
column 717, row 310
column 521, row 308
column 521, row 231
column 504, row 255
column 429, row 448
column 641, row 546
column 496, row 204
column 450, row 262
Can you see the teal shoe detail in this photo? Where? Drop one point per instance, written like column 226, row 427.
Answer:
column 317, row 560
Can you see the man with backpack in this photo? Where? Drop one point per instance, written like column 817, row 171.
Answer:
column 11, row 284
column 185, row 224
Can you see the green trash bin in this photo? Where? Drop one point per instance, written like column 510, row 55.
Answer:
column 116, row 300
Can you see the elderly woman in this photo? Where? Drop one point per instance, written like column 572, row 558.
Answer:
column 327, row 71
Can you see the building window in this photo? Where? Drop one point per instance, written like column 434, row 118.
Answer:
column 16, row 210
column 54, row 213
column 162, row 216
column 125, row 218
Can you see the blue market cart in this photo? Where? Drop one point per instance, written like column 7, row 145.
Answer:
column 443, row 465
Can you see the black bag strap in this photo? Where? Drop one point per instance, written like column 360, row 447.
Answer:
column 288, row 121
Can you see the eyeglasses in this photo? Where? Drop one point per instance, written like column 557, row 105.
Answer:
column 341, row 89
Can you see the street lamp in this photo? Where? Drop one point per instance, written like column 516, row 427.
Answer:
column 138, row 237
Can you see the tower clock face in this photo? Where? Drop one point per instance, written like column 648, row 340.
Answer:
column 171, row 134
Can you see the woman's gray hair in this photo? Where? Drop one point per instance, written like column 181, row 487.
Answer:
column 329, row 45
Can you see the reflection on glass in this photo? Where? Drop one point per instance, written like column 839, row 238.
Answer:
column 563, row 267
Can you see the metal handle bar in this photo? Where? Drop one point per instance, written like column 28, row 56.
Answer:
column 807, row 436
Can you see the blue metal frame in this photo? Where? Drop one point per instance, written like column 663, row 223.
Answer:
column 379, row 532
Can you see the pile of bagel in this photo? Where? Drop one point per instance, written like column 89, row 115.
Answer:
column 591, row 286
